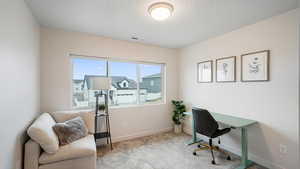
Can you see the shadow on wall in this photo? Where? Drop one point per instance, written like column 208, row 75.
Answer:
column 256, row 135
column 266, row 146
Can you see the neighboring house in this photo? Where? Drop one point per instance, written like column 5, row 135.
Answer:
column 77, row 86
column 152, row 83
column 123, row 91
column 78, row 93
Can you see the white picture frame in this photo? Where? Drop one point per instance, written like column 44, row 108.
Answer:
column 226, row 69
column 205, row 72
column 255, row 66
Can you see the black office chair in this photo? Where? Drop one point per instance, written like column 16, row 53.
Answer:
column 206, row 125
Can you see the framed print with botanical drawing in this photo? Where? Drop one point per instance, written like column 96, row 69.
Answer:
column 255, row 66
column 204, row 72
column 226, row 69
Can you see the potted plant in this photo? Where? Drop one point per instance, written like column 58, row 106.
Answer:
column 101, row 107
column 178, row 115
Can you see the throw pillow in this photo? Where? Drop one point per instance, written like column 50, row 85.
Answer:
column 41, row 132
column 70, row 130
column 88, row 116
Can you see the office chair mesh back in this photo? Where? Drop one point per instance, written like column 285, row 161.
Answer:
column 204, row 123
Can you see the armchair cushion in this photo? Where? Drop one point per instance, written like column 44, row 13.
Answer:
column 80, row 148
column 41, row 132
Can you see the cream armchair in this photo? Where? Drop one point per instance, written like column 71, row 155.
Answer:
column 80, row 154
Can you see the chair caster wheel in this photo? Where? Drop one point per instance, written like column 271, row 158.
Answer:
column 194, row 153
column 213, row 162
column 228, row 158
column 199, row 146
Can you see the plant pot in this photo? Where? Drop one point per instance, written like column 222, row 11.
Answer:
column 177, row 128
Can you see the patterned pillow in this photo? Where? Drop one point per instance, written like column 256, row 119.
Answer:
column 70, row 131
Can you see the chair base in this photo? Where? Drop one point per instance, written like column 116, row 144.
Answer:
column 203, row 146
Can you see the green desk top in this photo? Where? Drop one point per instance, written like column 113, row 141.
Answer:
column 232, row 121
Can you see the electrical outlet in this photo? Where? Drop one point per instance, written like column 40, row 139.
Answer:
column 283, row 148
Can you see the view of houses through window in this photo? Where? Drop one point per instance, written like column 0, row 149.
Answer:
column 131, row 83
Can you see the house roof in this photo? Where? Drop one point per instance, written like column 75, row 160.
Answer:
column 153, row 76
column 116, row 80
column 77, row 81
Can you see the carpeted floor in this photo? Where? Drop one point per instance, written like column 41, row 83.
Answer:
column 162, row 151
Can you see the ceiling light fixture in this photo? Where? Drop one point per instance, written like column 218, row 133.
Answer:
column 160, row 10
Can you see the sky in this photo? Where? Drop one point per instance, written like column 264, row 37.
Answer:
column 83, row 67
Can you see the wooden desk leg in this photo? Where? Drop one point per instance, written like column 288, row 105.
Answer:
column 245, row 163
column 194, row 134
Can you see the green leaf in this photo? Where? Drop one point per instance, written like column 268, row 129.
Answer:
column 179, row 108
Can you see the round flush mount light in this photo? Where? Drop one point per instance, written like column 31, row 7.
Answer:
column 160, row 10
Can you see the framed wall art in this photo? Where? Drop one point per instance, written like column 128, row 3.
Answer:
column 204, row 72
column 255, row 66
column 226, row 69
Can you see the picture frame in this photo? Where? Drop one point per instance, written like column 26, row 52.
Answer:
column 226, row 69
column 255, row 66
column 205, row 72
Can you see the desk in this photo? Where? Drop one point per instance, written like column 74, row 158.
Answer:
column 234, row 122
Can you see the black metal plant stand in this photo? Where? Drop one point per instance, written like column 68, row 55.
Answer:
column 106, row 134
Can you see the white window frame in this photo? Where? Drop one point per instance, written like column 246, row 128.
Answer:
column 138, row 63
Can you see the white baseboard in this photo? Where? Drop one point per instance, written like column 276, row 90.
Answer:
column 237, row 151
column 140, row 134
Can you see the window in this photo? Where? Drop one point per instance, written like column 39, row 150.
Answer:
column 124, row 83
column 83, row 71
column 150, row 83
column 132, row 83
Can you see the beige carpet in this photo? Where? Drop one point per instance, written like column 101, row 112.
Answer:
column 162, row 151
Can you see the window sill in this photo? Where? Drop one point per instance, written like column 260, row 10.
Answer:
column 137, row 105
column 123, row 106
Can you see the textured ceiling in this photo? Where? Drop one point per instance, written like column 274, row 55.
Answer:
column 192, row 20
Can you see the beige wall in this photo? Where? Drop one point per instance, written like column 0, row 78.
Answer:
column 56, row 78
column 299, row 79
column 19, row 72
column 274, row 104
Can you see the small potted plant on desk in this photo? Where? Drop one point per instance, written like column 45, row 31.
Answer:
column 178, row 115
